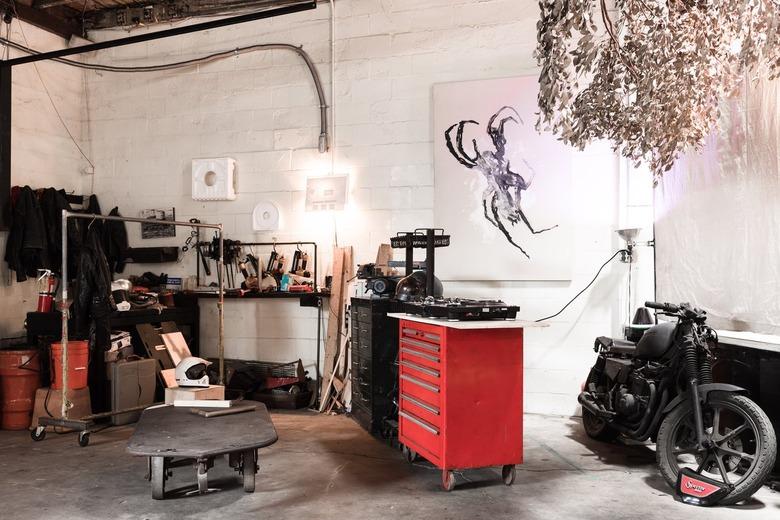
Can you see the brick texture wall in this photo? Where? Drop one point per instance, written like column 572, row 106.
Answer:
column 261, row 109
column 42, row 153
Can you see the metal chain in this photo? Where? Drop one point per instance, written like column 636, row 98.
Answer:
column 193, row 234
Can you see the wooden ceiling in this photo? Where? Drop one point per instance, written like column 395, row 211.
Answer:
column 76, row 17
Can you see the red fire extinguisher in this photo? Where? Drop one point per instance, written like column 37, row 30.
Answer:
column 47, row 289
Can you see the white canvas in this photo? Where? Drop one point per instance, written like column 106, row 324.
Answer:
column 480, row 250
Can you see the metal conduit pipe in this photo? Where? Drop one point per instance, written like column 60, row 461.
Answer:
column 324, row 139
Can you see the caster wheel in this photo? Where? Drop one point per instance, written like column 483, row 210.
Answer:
column 83, row 439
column 409, row 454
column 158, row 476
column 447, row 480
column 38, row 434
column 508, row 474
column 249, row 468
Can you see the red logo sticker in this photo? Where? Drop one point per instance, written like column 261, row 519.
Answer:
column 696, row 488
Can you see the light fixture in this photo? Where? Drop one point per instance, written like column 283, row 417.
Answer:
column 629, row 235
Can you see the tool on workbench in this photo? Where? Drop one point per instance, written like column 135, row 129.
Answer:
column 299, row 263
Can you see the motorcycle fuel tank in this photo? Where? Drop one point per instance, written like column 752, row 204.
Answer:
column 656, row 341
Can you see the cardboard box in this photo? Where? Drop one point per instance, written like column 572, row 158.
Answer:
column 48, row 403
column 190, row 393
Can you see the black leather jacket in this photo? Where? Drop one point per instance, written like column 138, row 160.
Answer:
column 93, row 285
column 25, row 251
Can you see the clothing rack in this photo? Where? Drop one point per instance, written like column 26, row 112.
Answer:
column 82, row 425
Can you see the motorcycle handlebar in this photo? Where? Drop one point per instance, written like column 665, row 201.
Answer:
column 666, row 307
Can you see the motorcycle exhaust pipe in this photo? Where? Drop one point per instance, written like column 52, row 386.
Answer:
column 588, row 403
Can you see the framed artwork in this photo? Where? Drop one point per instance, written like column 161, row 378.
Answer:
column 502, row 190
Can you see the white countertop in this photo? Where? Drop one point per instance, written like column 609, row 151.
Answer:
column 481, row 324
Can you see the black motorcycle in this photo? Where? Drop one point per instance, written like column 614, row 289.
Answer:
column 661, row 388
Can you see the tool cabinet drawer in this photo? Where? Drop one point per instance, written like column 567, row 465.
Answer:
column 361, row 384
column 418, row 371
column 361, row 367
column 422, row 390
column 417, row 407
column 424, row 358
column 420, row 332
column 364, row 314
column 362, row 348
column 420, row 435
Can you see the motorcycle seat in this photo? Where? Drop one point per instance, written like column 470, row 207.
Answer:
column 616, row 346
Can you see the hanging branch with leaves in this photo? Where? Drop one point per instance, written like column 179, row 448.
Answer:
column 649, row 75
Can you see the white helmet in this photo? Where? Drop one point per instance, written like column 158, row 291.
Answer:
column 191, row 371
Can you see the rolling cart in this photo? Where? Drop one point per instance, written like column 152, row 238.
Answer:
column 461, row 393
column 175, row 436
column 84, row 425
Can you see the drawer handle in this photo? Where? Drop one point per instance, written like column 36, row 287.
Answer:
column 419, row 422
column 423, row 384
column 424, row 406
column 420, row 368
column 420, row 344
column 419, row 333
column 420, row 354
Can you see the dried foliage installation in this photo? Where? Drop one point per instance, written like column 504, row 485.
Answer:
column 649, row 75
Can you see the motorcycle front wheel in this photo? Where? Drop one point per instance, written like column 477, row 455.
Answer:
column 743, row 447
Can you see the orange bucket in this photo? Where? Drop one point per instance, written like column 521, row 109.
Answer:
column 78, row 360
column 19, row 378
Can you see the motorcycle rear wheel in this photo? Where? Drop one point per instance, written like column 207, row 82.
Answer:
column 744, row 440
column 597, row 428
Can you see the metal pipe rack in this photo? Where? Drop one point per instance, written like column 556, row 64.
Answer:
column 83, row 424
column 263, row 244
column 316, row 292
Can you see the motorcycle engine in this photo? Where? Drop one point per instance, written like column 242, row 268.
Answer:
column 632, row 397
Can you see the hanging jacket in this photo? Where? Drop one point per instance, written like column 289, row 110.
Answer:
column 52, row 203
column 93, row 297
column 115, row 242
column 26, row 249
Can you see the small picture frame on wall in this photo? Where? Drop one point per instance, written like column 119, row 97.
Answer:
column 154, row 229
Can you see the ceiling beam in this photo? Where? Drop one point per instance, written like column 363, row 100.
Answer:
column 59, row 25
column 46, row 4
column 304, row 5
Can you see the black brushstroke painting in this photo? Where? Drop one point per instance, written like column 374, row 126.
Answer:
column 501, row 198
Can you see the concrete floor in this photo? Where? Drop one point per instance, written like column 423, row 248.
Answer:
column 327, row 467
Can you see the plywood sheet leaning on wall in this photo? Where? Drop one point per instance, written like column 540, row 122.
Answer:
column 342, row 272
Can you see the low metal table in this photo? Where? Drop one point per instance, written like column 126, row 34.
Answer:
column 174, row 436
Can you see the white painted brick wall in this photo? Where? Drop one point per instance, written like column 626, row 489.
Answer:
column 261, row 109
column 42, row 153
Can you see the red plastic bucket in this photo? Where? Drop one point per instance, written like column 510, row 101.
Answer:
column 78, row 360
column 19, row 378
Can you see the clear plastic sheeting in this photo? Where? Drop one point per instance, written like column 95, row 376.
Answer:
column 717, row 219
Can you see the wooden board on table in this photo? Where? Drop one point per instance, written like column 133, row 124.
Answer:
column 176, row 346
column 169, row 377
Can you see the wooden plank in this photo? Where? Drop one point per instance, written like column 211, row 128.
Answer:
column 334, row 322
column 383, row 257
column 176, row 346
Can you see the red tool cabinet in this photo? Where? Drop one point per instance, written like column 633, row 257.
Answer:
column 461, row 394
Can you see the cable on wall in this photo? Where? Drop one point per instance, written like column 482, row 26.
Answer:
column 586, row 287
column 324, row 139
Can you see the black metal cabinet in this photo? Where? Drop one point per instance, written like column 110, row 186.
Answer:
column 374, row 350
